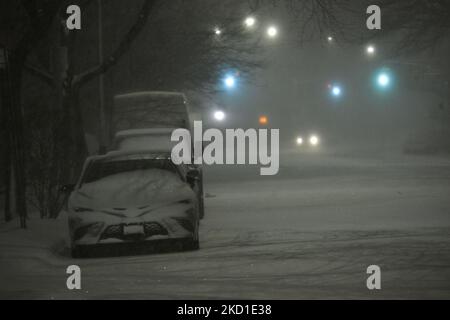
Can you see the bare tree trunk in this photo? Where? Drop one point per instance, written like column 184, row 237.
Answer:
column 7, row 173
column 7, row 177
column 6, row 143
column 75, row 148
column 17, row 142
column 13, row 116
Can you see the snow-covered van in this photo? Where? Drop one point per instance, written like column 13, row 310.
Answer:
column 151, row 109
column 145, row 121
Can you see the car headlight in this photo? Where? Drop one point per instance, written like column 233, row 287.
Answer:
column 299, row 141
column 313, row 140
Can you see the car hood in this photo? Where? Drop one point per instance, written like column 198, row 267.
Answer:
column 132, row 193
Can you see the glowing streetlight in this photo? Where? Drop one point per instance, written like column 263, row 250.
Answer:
column 230, row 82
column 263, row 120
column 370, row 50
column 383, row 80
column 250, row 22
column 217, row 31
column 299, row 141
column 219, row 115
column 330, row 38
column 336, row 90
column 272, row 31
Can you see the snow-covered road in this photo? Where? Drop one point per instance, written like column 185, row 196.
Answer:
column 309, row 232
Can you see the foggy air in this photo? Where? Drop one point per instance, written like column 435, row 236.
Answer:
column 224, row 150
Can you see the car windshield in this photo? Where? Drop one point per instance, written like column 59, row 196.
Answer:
column 104, row 168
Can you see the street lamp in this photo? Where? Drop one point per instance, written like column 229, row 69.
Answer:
column 299, row 141
column 230, row 81
column 272, row 31
column 217, row 31
column 383, row 80
column 219, row 115
column 330, row 38
column 250, row 22
column 370, row 50
column 336, row 90
column 263, row 120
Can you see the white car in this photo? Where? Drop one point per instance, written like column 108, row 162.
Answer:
column 132, row 197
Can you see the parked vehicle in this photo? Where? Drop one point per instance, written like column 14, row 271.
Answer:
column 152, row 115
column 134, row 197
column 151, row 109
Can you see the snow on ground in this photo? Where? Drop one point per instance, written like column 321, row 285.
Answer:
column 309, row 232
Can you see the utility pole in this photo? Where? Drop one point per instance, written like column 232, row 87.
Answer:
column 3, row 114
column 101, row 82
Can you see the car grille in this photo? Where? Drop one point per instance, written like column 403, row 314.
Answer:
column 153, row 229
column 115, row 231
column 150, row 229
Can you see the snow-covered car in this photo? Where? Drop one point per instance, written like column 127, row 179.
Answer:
column 133, row 197
column 158, row 139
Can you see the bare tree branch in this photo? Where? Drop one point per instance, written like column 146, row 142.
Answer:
column 126, row 42
column 40, row 73
column 41, row 19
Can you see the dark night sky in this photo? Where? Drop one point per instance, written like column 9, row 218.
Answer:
column 291, row 89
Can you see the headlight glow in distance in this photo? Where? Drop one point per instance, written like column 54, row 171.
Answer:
column 314, row 140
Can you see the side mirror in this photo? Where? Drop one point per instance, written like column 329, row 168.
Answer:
column 67, row 188
column 193, row 175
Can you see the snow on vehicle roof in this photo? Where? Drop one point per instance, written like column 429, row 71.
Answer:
column 143, row 132
column 150, row 109
column 161, row 154
column 150, row 93
column 151, row 139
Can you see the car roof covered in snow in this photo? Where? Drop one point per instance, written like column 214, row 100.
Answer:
column 150, row 139
column 150, row 109
column 154, row 154
column 145, row 94
column 143, row 132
